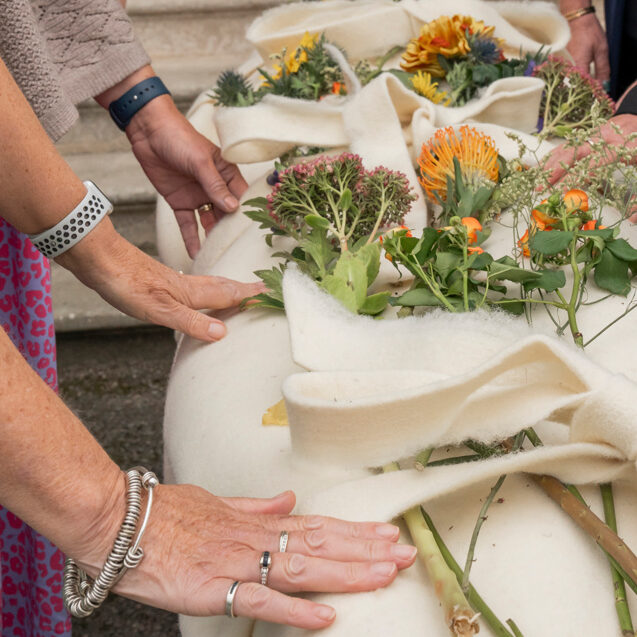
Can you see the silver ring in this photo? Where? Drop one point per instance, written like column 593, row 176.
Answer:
column 230, row 599
column 207, row 207
column 283, row 541
column 265, row 563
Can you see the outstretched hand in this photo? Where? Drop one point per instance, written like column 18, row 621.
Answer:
column 198, row 544
column 563, row 157
column 185, row 168
column 143, row 288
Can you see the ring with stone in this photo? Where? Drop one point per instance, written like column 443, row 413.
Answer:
column 265, row 563
column 283, row 541
column 207, row 207
column 230, row 599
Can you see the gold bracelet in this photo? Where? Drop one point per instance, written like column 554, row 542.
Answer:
column 578, row 13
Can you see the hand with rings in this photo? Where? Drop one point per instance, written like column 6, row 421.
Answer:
column 206, row 555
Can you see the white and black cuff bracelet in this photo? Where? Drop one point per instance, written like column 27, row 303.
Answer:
column 76, row 225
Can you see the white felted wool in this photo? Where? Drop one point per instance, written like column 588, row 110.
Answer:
column 169, row 241
column 531, row 565
column 369, row 28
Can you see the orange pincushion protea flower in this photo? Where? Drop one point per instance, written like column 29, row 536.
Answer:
column 476, row 153
column 444, row 36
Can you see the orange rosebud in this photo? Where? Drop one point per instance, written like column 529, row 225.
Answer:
column 592, row 225
column 472, row 225
column 523, row 242
column 541, row 219
column 408, row 233
column 475, row 250
column 388, row 256
column 336, row 88
column 576, row 200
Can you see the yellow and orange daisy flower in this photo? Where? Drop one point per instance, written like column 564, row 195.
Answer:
column 293, row 60
column 444, row 36
column 476, row 154
column 424, row 85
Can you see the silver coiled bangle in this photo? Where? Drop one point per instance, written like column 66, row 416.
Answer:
column 83, row 595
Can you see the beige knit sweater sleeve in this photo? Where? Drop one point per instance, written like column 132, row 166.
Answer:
column 61, row 52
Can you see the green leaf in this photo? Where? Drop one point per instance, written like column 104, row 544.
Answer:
column 416, row 297
column 516, row 308
column 446, row 262
column 274, row 281
column 509, row 271
column 612, row 274
column 375, row 303
column 466, row 205
column 479, row 261
column 353, row 272
column 549, row 280
column 265, row 300
column 340, row 290
column 404, row 77
column 622, row 250
column 370, row 255
column 552, row 242
column 422, row 250
column 316, row 221
column 262, row 217
column 345, row 202
column 257, row 202
column 317, row 246
column 604, row 233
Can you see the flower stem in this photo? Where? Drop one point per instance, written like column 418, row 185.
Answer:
column 621, row 605
column 477, row 603
column 476, row 531
column 460, row 617
column 604, row 536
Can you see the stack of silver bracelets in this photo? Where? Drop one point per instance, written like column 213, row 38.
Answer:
column 81, row 595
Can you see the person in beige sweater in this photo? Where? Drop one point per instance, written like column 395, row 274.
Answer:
column 204, row 554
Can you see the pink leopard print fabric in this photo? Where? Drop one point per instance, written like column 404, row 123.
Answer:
column 30, row 566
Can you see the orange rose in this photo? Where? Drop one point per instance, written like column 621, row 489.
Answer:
column 541, row 219
column 472, row 225
column 592, row 225
column 576, row 200
column 475, row 250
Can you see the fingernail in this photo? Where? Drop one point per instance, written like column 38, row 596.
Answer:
column 326, row 613
column 384, row 569
column 217, row 331
column 231, row 203
column 387, row 531
column 404, row 551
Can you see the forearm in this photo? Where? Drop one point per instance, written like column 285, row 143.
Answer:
column 37, row 187
column 53, row 473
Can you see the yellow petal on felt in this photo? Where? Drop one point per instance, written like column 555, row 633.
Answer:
column 276, row 416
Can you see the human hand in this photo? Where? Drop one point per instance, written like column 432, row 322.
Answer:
column 185, row 167
column 588, row 44
column 143, row 288
column 563, row 157
column 197, row 545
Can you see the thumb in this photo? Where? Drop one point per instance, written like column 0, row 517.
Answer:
column 281, row 504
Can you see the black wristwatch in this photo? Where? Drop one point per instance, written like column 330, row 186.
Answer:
column 122, row 110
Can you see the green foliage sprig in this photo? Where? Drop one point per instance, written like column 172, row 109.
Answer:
column 334, row 210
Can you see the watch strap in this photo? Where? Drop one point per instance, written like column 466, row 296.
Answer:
column 76, row 225
column 123, row 109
